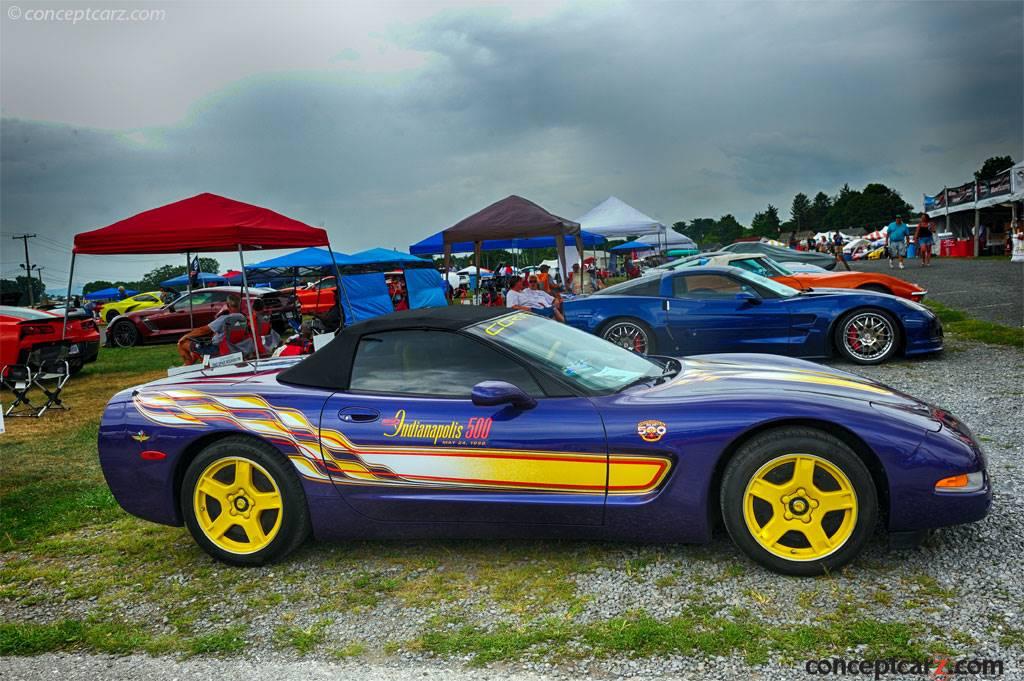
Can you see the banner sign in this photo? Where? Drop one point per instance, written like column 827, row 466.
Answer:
column 1000, row 184
column 934, row 202
column 1017, row 178
column 960, row 195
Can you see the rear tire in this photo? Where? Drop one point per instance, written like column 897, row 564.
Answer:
column 123, row 334
column 111, row 316
column 631, row 334
column 799, row 501
column 243, row 502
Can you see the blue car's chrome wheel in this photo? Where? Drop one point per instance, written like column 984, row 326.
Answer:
column 867, row 337
column 631, row 335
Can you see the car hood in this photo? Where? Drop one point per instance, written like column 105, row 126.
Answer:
column 752, row 374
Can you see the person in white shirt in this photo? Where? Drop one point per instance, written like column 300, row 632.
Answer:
column 533, row 299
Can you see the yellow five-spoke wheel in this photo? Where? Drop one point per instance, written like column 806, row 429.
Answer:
column 798, row 501
column 242, row 502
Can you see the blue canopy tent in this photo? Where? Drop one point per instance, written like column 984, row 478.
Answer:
column 205, row 278
column 365, row 287
column 306, row 259
column 107, row 294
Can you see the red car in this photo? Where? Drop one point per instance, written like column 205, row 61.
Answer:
column 172, row 321
column 315, row 298
column 23, row 329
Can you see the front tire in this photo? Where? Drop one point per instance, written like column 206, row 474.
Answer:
column 111, row 316
column 867, row 337
column 799, row 501
column 123, row 334
column 631, row 334
column 243, row 502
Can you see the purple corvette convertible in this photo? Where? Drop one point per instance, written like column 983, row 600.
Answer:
column 479, row 422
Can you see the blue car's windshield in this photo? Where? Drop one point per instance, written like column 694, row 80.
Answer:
column 580, row 358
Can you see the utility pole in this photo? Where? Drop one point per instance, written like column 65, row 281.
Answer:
column 42, row 286
column 28, row 265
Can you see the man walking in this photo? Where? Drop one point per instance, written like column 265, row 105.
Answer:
column 897, row 235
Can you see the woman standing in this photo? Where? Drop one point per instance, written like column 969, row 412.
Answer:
column 924, row 238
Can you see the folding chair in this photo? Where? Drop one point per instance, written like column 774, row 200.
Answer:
column 54, row 371
column 18, row 379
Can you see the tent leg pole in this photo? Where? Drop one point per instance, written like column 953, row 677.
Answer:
column 339, row 288
column 248, row 304
column 67, row 302
column 188, row 285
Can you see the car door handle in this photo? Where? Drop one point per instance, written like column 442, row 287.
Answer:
column 358, row 415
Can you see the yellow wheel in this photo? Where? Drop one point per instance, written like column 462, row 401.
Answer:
column 800, row 507
column 798, row 501
column 238, row 505
column 243, row 503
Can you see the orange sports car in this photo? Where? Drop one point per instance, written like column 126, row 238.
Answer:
column 766, row 267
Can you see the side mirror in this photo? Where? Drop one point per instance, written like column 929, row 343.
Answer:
column 494, row 393
column 748, row 298
column 170, row 307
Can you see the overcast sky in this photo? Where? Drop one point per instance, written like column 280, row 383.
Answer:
column 386, row 122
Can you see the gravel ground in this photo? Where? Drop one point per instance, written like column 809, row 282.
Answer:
column 965, row 584
column 990, row 289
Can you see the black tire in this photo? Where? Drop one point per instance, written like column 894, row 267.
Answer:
column 75, row 365
column 850, row 530
column 289, row 529
column 877, row 288
column 844, row 346
column 610, row 330
column 123, row 334
column 110, row 316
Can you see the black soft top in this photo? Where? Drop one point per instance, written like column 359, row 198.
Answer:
column 331, row 366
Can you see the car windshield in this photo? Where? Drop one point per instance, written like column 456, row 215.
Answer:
column 775, row 287
column 580, row 358
column 784, row 271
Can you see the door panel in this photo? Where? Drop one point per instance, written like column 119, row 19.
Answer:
column 422, row 459
column 705, row 316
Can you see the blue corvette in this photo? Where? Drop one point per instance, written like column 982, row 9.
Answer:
column 480, row 422
column 726, row 309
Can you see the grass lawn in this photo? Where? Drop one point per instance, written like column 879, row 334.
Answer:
column 962, row 324
column 79, row 574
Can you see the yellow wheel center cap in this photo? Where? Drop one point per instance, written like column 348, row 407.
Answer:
column 242, row 504
column 798, row 506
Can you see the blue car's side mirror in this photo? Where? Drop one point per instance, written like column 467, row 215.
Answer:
column 495, row 393
column 748, row 298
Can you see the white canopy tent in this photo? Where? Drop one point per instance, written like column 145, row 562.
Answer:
column 613, row 217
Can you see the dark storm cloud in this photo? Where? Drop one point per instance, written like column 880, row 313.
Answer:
column 683, row 110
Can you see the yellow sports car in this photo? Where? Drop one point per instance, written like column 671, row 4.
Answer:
column 140, row 301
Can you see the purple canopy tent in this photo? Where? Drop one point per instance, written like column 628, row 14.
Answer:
column 512, row 217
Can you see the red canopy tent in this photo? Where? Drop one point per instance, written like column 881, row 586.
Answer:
column 204, row 223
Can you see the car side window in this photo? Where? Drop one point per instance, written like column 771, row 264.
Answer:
column 437, row 363
column 145, row 298
column 218, row 297
column 198, row 298
column 706, row 286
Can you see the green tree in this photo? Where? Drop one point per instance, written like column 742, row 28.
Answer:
column 701, row 230
column 767, row 224
column 818, row 214
column 800, row 210
column 19, row 286
column 992, row 167
column 729, row 229
column 151, row 280
column 876, row 205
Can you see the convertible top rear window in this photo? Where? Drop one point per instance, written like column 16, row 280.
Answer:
column 645, row 286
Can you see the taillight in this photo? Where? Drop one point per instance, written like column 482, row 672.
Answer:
column 35, row 330
column 89, row 326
